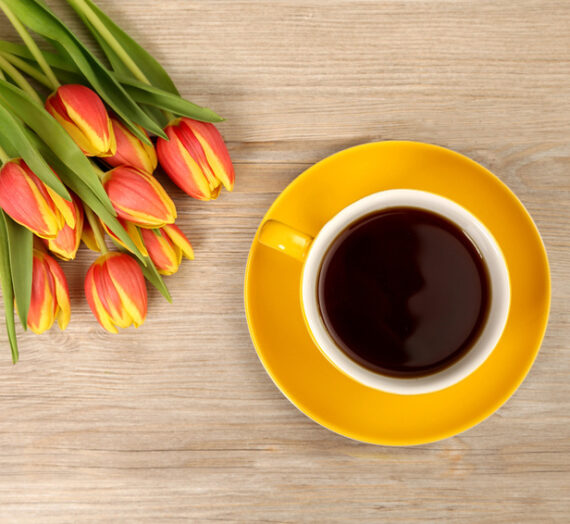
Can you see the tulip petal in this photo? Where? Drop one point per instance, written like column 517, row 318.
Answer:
column 83, row 115
column 116, row 291
column 102, row 316
column 45, row 205
column 135, row 235
column 136, row 315
column 66, row 243
column 111, row 298
column 214, row 149
column 88, row 237
column 179, row 240
column 86, row 110
column 41, row 314
column 178, row 252
column 161, row 251
column 55, row 108
column 41, row 319
column 105, row 295
column 138, row 197
column 25, row 198
column 129, row 283
column 67, row 209
column 63, row 312
column 193, row 146
column 179, row 165
column 95, row 303
column 131, row 151
column 197, row 181
column 98, row 143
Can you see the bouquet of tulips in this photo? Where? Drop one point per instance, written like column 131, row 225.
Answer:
column 79, row 142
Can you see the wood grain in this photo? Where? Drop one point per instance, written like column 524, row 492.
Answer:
column 177, row 421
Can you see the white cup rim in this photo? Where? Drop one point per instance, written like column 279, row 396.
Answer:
column 483, row 240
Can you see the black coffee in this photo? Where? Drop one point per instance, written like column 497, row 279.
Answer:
column 404, row 292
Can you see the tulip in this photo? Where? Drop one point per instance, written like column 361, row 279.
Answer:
column 83, row 115
column 116, row 291
column 50, row 294
column 131, row 151
column 66, row 243
column 133, row 232
column 195, row 158
column 166, row 246
column 32, row 203
column 138, row 197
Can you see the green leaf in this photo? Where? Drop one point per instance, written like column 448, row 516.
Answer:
column 7, row 290
column 13, row 132
column 21, row 243
column 156, row 114
column 55, row 136
column 148, row 65
column 39, row 18
column 67, row 73
column 7, row 146
column 153, row 96
column 69, row 77
column 53, row 59
column 155, row 278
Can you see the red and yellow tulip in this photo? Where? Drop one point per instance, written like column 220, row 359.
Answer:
column 116, row 291
column 166, row 246
column 83, row 115
column 66, row 243
column 50, row 295
column 32, row 203
column 131, row 151
column 138, row 197
column 196, row 158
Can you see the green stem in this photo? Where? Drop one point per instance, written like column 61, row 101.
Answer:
column 2, row 77
column 95, row 21
column 97, row 231
column 27, row 68
column 3, row 156
column 31, row 45
column 22, row 83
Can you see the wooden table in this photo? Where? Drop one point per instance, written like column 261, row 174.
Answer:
column 178, row 421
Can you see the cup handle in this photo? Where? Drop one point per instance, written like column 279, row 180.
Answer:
column 286, row 239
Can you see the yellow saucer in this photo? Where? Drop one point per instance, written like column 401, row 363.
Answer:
column 307, row 378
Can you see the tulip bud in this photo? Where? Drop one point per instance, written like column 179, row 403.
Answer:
column 133, row 233
column 195, row 158
column 138, row 197
column 50, row 294
column 166, row 246
column 83, row 115
column 32, row 203
column 66, row 243
column 131, row 151
column 116, row 291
